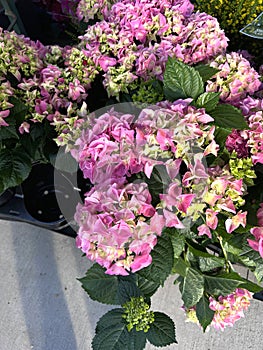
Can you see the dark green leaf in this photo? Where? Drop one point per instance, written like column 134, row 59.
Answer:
column 160, row 268
column 221, row 136
column 181, row 81
column 15, row 167
column 208, row 100
column 110, row 319
column 100, row 286
column 112, row 334
column 181, row 267
column 30, row 146
column 127, row 288
column 178, row 241
column 206, row 72
column 192, row 287
column 207, row 262
column 227, row 283
column 227, row 116
column 146, row 285
column 204, row 313
column 162, row 330
column 19, row 111
column 8, row 132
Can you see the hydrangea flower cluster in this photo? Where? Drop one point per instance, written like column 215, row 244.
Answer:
column 228, row 309
column 117, row 146
column 135, row 39
column 109, row 153
column 235, row 80
column 89, row 9
column 19, row 55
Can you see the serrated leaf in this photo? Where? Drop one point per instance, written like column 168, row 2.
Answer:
column 181, row 81
column 228, row 116
column 146, row 285
column 160, row 268
column 110, row 319
column 127, row 288
column 227, row 283
column 100, row 286
column 112, row 334
column 204, row 313
column 178, row 241
column 208, row 100
column 15, row 167
column 162, row 330
column 206, row 72
column 192, row 287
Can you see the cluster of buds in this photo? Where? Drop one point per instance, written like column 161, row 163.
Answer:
column 137, row 314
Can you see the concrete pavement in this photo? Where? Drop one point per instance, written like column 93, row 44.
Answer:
column 43, row 307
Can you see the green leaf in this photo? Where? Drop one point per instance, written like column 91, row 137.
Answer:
column 181, row 80
column 127, row 288
column 206, row 72
column 110, row 319
column 19, row 111
column 207, row 262
column 181, row 267
column 100, row 286
column 208, row 100
column 162, row 330
column 160, row 268
column 112, row 334
column 204, row 313
column 228, row 116
column 221, row 136
column 259, row 273
column 227, row 283
column 146, row 285
column 15, row 167
column 178, row 241
column 8, row 132
column 192, row 287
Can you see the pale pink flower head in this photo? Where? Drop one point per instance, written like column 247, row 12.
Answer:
column 228, row 309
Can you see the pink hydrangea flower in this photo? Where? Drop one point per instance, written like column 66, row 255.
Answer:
column 236, row 78
column 228, row 309
column 235, row 142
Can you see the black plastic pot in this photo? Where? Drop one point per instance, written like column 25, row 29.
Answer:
column 36, row 200
column 6, row 196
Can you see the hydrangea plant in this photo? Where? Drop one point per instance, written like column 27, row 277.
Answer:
column 179, row 178
column 175, row 180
